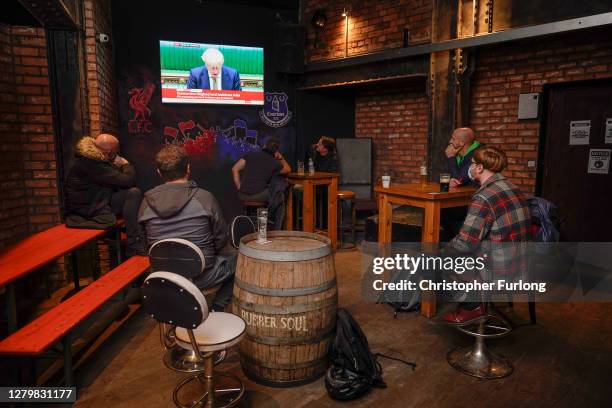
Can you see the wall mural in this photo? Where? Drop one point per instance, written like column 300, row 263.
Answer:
column 215, row 137
column 139, row 101
column 231, row 143
column 275, row 112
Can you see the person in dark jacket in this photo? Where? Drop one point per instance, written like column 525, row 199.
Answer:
column 257, row 177
column 324, row 155
column 459, row 153
column 101, row 185
column 180, row 209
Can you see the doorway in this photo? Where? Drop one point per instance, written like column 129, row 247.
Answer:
column 572, row 174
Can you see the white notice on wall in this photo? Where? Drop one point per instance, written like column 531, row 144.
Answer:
column 599, row 161
column 580, row 130
column 608, row 131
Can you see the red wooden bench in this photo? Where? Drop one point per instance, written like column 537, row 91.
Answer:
column 38, row 250
column 56, row 324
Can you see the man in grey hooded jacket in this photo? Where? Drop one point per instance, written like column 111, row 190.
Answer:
column 180, row 209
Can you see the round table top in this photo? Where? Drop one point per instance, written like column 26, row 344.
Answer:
column 286, row 245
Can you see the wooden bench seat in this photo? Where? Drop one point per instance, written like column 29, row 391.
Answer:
column 56, row 324
column 38, row 250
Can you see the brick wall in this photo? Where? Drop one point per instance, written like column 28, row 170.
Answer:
column 504, row 72
column 28, row 153
column 373, row 26
column 101, row 77
column 13, row 212
column 397, row 120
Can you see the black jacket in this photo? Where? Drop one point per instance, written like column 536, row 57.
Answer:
column 460, row 172
column 92, row 179
column 327, row 163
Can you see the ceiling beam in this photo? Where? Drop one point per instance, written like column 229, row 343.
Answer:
column 515, row 34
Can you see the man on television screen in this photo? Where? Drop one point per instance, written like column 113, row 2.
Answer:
column 214, row 75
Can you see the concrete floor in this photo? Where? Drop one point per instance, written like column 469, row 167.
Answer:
column 563, row 361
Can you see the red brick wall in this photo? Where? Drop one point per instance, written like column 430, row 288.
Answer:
column 373, row 26
column 101, row 78
column 28, row 153
column 13, row 212
column 504, row 72
column 397, row 120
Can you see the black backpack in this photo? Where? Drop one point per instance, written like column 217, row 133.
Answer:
column 354, row 369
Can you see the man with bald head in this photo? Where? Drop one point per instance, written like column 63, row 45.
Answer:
column 459, row 153
column 101, row 185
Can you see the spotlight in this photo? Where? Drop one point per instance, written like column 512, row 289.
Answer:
column 319, row 18
column 346, row 11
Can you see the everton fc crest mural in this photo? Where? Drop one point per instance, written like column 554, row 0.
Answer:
column 275, row 112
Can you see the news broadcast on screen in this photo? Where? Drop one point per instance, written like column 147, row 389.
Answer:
column 211, row 73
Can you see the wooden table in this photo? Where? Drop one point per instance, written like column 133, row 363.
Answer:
column 428, row 197
column 309, row 181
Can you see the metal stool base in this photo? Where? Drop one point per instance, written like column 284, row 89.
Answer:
column 479, row 362
column 225, row 395
column 186, row 361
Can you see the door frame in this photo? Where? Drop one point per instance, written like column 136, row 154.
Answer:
column 543, row 114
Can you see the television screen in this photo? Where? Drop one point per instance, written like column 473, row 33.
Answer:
column 210, row 73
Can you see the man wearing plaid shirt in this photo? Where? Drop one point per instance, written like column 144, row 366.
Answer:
column 498, row 224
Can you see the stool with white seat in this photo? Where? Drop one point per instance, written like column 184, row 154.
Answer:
column 174, row 300
column 184, row 258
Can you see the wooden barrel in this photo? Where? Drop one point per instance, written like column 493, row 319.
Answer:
column 286, row 292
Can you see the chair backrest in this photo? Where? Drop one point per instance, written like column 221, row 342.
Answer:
column 241, row 225
column 172, row 299
column 355, row 157
column 177, row 255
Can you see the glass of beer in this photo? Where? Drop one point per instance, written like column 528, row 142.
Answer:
column 444, row 182
column 300, row 167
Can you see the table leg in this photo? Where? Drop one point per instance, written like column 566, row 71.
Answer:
column 67, row 348
column 75, row 270
column 308, row 206
column 431, row 233
column 289, row 212
column 385, row 216
column 11, row 308
column 332, row 212
column 118, row 245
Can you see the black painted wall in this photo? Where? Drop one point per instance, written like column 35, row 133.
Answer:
column 138, row 26
column 324, row 113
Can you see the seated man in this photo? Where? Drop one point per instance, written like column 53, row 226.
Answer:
column 100, row 185
column 214, row 74
column 180, row 209
column 324, row 155
column 498, row 215
column 459, row 152
column 255, row 178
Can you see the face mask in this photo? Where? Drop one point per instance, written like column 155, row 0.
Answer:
column 470, row 173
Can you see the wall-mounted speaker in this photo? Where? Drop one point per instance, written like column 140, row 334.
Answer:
column 289, row 43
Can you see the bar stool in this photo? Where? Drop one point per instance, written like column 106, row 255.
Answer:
column 175, row 300
column 478, row 361
column 346, row 196
column 250, row 207
column 184, row 258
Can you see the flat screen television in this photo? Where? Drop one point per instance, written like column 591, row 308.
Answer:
column 211, row 73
